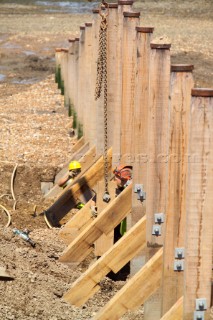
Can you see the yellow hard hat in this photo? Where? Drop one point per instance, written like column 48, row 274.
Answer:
column 73, row 165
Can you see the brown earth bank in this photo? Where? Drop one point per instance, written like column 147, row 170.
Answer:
column 36, row 136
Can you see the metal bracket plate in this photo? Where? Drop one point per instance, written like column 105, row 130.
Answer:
column 156, row 230
column 141, row 195
column 199, row 315
column 106, row 197
column 159, row 217
column 178, row 265
column 179, row 253
column 201, row 304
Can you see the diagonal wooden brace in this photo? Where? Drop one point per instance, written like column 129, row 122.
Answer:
column 176, row 312
column 138, row 289
column 114, row 259
column 108, row 219
column 83, row 186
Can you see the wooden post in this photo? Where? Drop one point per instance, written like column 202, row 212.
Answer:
column 76, row 73
column 57, row 64
column 158, row 139
column 106, row 241
column 111, row 70
column 140, row 129
column 199, row 204
column 71, row 79
column 131, row 20
column 123, row 5
column 95, row 132
column 81, row 80
column 87, row 91
column 158, row 123
column 65, row 75
column 63, row 70
column 180, row 93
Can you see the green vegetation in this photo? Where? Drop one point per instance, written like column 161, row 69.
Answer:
column 80, row 130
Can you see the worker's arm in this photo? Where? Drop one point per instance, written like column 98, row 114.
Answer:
column 62, row 181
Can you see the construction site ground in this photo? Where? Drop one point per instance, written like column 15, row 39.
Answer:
column 36, row 141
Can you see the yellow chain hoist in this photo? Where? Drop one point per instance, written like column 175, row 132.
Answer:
column 101, row 81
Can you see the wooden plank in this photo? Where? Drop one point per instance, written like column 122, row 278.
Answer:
column 158, row 123
column 83, row 186
column 199, row 206
column 128, row 85
column 108, row 219
column 105, row 241
column 176, row 311
column 113, row 260
column 141, row 286
column 181, row 85
column 77, row 224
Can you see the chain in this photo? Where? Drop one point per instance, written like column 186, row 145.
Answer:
column 102, row 81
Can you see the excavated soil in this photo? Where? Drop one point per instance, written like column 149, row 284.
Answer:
column 36, row 141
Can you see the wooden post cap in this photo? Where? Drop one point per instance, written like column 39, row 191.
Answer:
column 57, row 49
column 113, row 5
column 165, row 46
column 131, row 14
column 82, row 27
column 125, row 2
column 95, row 11
column 145, row 29
column 182, row 67
column 202, row 92
column 88, row 24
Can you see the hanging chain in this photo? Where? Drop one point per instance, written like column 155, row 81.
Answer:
column 101, row 81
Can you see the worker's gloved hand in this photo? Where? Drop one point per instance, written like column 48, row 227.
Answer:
column 94, row 211
column 80, row 205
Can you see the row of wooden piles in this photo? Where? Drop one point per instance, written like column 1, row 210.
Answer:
column 162, row 126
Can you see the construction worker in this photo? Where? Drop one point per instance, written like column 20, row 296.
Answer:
column 74, row 170
column 123, row 177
